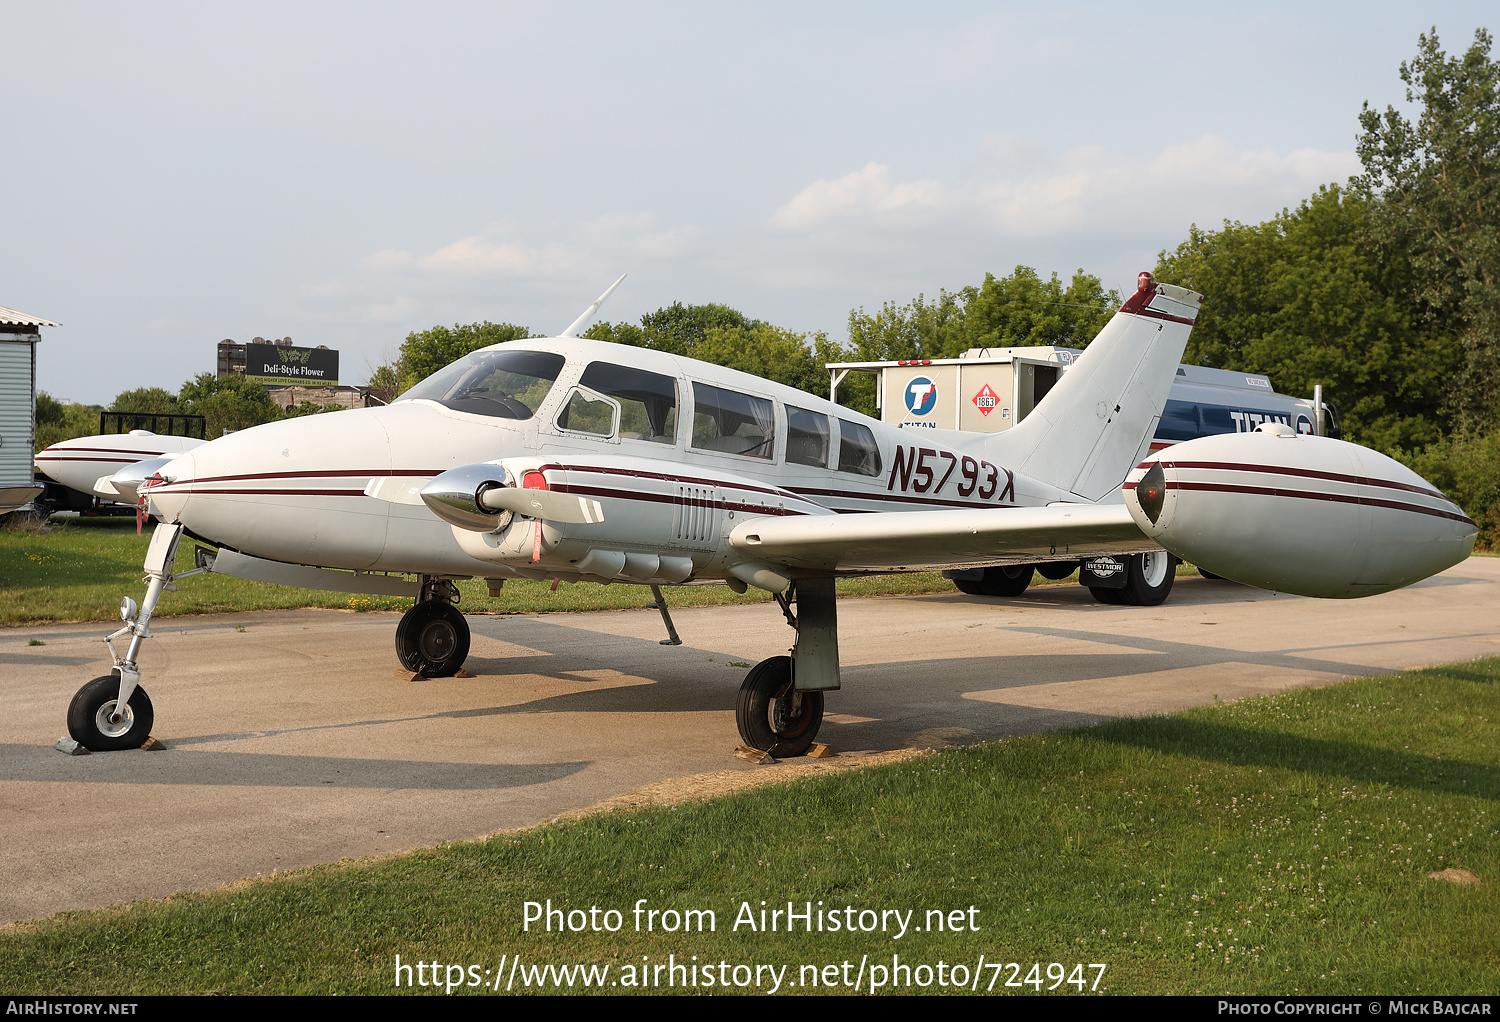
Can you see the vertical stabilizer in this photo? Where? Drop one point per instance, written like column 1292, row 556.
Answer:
column 1098, row 421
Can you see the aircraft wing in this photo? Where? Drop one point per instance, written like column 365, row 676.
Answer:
column 909, row 540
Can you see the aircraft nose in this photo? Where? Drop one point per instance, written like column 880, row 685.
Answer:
column 167, row 500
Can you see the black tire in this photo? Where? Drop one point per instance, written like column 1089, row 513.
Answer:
column 772, row 716
column 969, row 587
column 89, row 717
column 432, row 639
column 1148, row 579
column 1007, row 580
column 1103, row 595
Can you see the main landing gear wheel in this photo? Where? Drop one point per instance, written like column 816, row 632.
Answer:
column 94, row 724
column 772, row 715
column 432, row 639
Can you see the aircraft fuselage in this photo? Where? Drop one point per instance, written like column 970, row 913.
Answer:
column 296, row 490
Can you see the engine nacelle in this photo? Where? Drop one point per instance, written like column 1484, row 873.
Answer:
column 574, row 517
column 1297, row 513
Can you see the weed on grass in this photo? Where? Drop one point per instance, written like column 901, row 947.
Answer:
column 1277, row 845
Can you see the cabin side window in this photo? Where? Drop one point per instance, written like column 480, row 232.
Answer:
column 806, row 437
column 857, row 450
column 733, row 423
column 648, row 401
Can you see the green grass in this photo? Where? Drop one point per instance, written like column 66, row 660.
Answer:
column 1277, row 845
column 79, row 569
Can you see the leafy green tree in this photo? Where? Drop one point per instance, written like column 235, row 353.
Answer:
column 424, row 353
column 56, row 421
column 918, row 329
column 147, row 400
column 1467, row 469
column 772, row 353
column 384, row 378
column 1306, row 299
column 677, row 329
column 227, row 403
column 1439, row 179
column 1024, row 310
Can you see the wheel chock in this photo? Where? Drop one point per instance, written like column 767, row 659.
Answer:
column 819, row 751
column 153, row 744
column 750, row 755
column 71, row 747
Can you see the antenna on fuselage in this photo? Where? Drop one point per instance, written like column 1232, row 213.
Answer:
column 588, row 314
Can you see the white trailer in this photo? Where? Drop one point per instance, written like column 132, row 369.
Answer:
column 988, row 390
column 19, row 334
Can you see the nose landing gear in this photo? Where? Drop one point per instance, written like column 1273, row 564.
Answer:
column 433, row 638
column 114, row 712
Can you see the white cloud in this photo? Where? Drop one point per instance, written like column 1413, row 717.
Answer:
column 1087, row 191
column 393, row 285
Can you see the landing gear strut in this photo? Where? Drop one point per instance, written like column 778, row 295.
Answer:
column 780, row 706
column 433, row 638
column 114, row 712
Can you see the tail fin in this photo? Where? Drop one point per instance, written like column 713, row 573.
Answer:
column 1098, row 421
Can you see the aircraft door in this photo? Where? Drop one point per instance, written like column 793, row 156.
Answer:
column 615, row 403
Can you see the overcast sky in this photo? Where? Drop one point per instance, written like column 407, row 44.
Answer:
column 345, row 174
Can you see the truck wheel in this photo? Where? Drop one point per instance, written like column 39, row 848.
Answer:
column 1149, row 579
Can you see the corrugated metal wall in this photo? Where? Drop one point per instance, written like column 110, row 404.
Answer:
column 17, row 399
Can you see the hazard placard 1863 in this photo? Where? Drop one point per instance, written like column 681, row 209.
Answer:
column 986, row 400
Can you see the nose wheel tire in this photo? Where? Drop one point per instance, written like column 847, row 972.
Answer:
column 95, row 724
column 432, row 639
column 772, row 715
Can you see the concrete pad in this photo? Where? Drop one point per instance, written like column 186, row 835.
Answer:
column 292, row 739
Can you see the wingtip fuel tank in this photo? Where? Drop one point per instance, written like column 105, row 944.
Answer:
column 1297, row 514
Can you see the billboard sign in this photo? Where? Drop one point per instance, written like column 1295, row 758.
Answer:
column 275, row 365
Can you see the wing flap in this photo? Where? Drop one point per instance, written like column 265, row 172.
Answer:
column 910, row 540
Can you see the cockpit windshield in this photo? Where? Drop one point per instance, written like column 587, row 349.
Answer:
column 506, row 384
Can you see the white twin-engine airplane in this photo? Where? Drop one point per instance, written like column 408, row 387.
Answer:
column 590, row 462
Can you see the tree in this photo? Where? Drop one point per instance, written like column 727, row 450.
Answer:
column 147, row 401
column 1023, row 310
column 227, row 403
column 1439, row 183
column 772, row 353
column 676, row 329
column 1306, row 299
column 424, row 353
column 57, row 421
column 918, row 329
